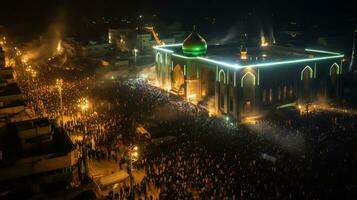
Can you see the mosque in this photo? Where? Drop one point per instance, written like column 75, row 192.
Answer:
column 242, row 80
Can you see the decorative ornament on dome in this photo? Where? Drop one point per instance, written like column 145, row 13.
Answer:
column 194, row 44
column 243, row 52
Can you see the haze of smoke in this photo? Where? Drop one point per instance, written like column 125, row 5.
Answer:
column 292, row 142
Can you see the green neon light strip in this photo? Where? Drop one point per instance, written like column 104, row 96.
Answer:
column 162, row 47
column 293, row 61
column 237, row 66
column 169, row 45
column 321, row 51
column 164, row 50
column 184, row 57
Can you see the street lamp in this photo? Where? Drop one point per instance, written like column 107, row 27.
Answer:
column 59, row 84
column 135, row 51
column 133, row 157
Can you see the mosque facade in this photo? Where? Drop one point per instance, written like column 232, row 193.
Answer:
column 237, row 81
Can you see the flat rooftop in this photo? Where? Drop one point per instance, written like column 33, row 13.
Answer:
column 10, row 145
column 10, row 89
column 259, row 56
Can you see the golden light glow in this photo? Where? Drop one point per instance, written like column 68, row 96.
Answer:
column 211, row 107
column 263, row 41
column 191, row 97
column 59, row 82
column 59, row 47
column 24, row 59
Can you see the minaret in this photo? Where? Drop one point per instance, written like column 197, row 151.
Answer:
column 243, row 52
column 243, row 48
column 352, row 62
column 2, row 58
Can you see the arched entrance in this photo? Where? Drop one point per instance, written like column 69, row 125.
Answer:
column 334, row 71
column 222, row 85
column 207, row 82
column 248, row 87
column 178, row 80
column 306, row 77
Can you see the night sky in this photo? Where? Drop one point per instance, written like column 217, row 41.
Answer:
column 33, row 16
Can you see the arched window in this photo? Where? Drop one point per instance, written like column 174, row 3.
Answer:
column 306, row 77
column 178, row 78
column 307, row 72
column 249, row 76
column 222, row 82
column 222, row 76
column 334, row 71
column 248, row 85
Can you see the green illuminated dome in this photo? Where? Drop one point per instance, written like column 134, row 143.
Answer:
column 194, row 45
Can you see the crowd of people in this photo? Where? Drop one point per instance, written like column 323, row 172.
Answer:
column 305, row 157
column 291, row 158
column 210, row 167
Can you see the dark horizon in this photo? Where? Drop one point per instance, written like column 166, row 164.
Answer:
column 35, row 17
